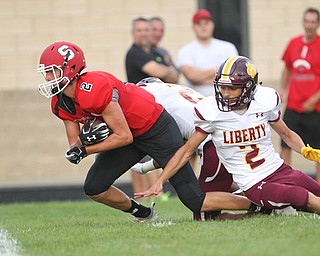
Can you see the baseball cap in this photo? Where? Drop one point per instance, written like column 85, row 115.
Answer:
column 201, row 14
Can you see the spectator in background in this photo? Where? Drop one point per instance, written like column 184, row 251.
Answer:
column 301, row 85
column 157, row 32
column 142, row 60
column 199, row 60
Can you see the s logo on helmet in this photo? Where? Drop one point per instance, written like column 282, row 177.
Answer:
column 251, row 70
column 64, row 50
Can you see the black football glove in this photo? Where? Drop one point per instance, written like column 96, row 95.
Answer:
column 76, row 154
column 90, row 134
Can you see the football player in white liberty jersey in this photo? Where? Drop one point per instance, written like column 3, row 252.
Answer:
column 180, row 101
column 239, row 118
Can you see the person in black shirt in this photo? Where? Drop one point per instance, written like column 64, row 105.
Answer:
column 142, row 60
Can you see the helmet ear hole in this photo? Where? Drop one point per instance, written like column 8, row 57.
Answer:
column 249, row 84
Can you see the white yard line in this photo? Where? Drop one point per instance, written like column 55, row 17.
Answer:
column 8, row 245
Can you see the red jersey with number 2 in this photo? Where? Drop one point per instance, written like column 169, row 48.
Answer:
column 94, row 92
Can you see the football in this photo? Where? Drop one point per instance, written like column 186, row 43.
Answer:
column 94, row 131
column 96, row 121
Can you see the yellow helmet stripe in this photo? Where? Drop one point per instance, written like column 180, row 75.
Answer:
column 227, row 67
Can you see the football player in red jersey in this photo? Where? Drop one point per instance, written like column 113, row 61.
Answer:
column 139, row 127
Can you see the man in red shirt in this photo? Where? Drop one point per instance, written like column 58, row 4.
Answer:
column 301, row 84
column 139, row 126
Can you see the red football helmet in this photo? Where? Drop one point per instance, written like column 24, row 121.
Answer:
column 236, row 72
column 66, row 61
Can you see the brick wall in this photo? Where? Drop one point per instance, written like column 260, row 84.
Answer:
column 101, row 28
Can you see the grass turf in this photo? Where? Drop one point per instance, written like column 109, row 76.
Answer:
column 87, row 228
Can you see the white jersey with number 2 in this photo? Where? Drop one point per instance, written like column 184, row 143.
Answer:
column 179, row 101
column 243, row 141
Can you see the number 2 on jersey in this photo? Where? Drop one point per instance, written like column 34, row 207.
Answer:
column 251, row 155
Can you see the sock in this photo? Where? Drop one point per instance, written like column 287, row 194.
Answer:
column 138, row 210
column 258, row 209
column 204, row 216
column 148, row 166
column 254, row 208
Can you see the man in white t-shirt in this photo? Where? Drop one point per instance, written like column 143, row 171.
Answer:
column 199, row 60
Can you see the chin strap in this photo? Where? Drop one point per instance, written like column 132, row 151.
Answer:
column 66, row 59
column 77, row 75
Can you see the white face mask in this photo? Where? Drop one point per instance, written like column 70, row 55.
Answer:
column 55, row 85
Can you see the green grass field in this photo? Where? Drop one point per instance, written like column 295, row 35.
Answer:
column 87, row 228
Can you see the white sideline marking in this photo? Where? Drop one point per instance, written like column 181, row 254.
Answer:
column 8, row 245
column 161, row 224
